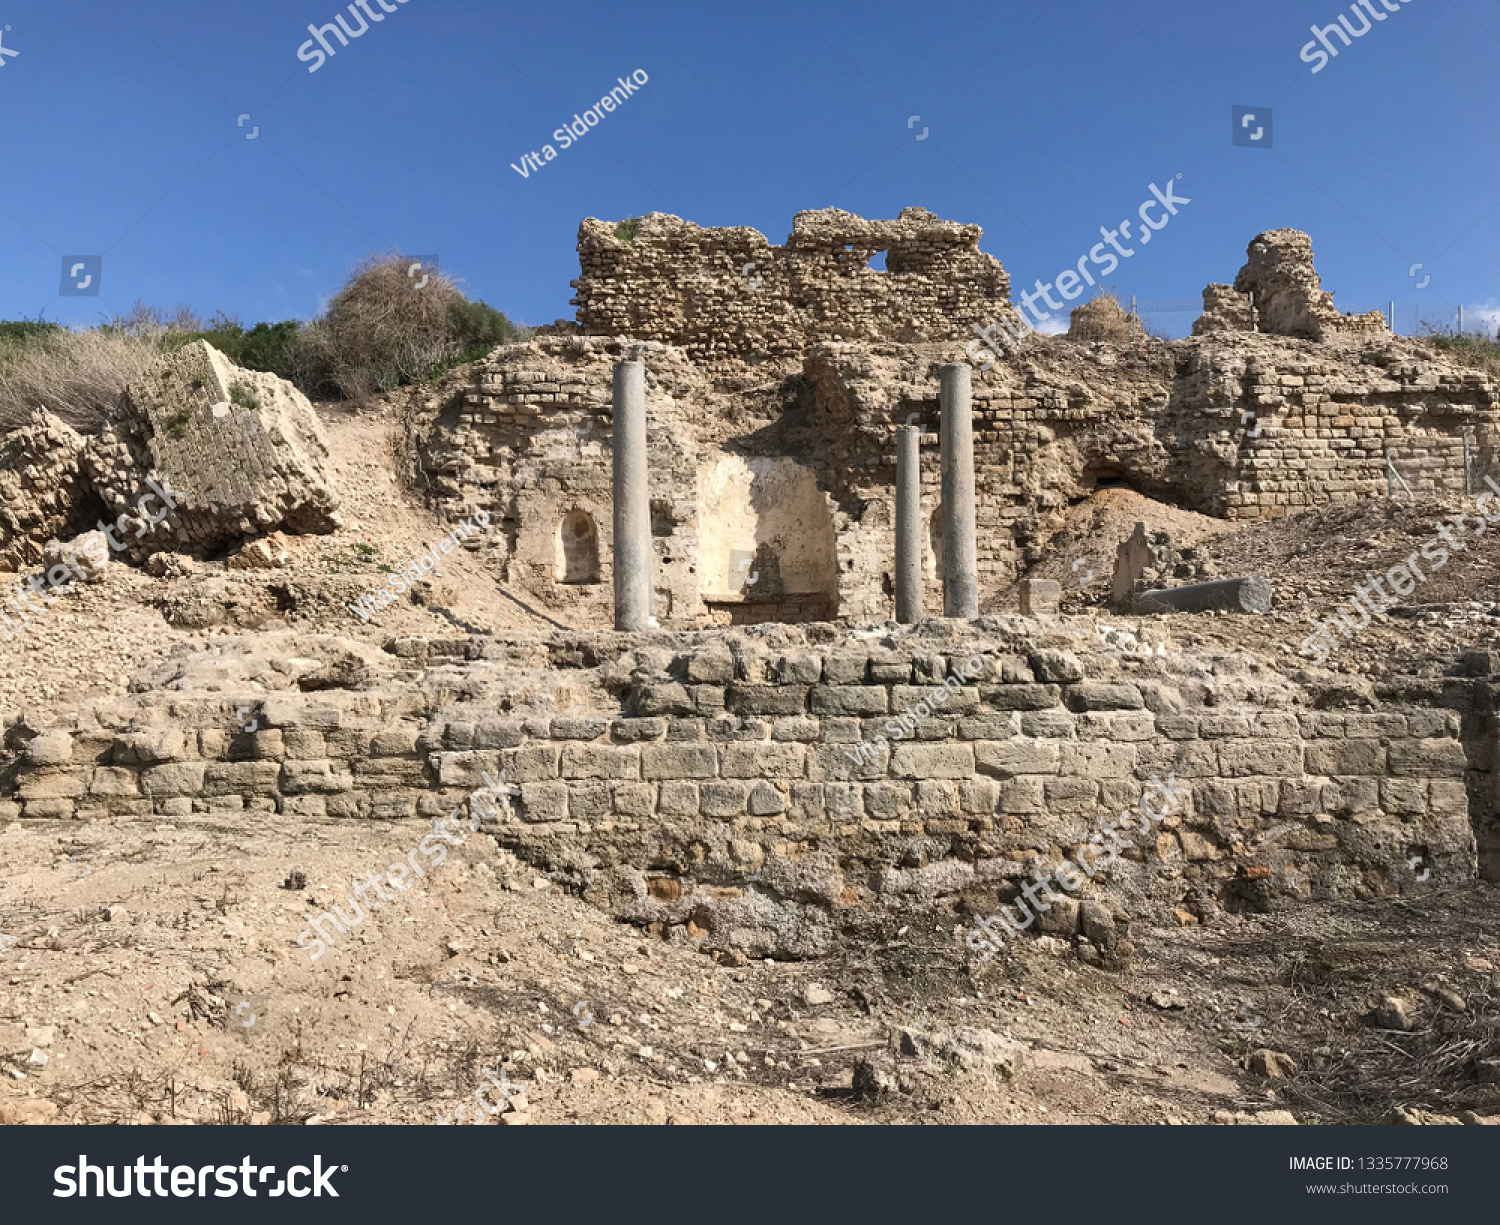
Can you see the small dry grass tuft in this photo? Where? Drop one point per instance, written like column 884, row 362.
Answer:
column 1480, row 351
column 1103, row 318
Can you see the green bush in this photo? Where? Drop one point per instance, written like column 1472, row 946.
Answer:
column 625, row 231
column 19, row 331
column 266, row 346
column 477, row 327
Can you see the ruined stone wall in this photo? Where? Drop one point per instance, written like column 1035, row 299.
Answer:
column 1288, row 293
column 239, row 452
column 728, row 292
column 43, row 493
column 715, row 780
column 1224, row 310
column 528, row 441
column 795, row 375
column 1299, row 428
column 1232, row 424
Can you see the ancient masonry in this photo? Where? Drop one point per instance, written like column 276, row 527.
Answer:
column 244, row 449
column 728, row 292
column 772, row 410
column 709, row 785
column 727, row 770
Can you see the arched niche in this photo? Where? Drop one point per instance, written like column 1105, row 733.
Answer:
column 577, row 549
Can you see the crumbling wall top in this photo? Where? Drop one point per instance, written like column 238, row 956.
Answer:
column 727, row 292
column 1289, row 296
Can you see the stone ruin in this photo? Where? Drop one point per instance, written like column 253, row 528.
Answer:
column 773, row 412
column 773, row 407
column 718, row 293
column 43, row 493
column 704, row 778
column 243, row 449
column 708, row 787
column 1288, row 295
column 1148, row 561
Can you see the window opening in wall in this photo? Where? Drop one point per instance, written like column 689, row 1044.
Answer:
column 578, row 548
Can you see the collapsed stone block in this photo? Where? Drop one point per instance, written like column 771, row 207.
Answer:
column 85, row 557
column 269, row 553
column 200, row 453
column 1040, row 596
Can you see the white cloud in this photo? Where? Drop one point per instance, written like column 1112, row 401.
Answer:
column 1487, row 317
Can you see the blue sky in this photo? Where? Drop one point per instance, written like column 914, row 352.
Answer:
column 1043, row 120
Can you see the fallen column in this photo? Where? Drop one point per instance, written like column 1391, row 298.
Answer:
column 1245, row 595
column 632, row 506
column 960, row 552
column 908, row 526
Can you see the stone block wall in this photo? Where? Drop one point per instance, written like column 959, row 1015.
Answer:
column 1306, row 428
column 42, row 490
column 723, row 783
column 728, row 293
column 1288, row 294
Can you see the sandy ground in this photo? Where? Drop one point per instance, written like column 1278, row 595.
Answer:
column 134, row 951
column 156, row 976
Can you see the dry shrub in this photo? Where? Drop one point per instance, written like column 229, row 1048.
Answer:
column 74, row 375
column 380, row 332
column 1477, row 349
column 148, row 321
column 1103, row 318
